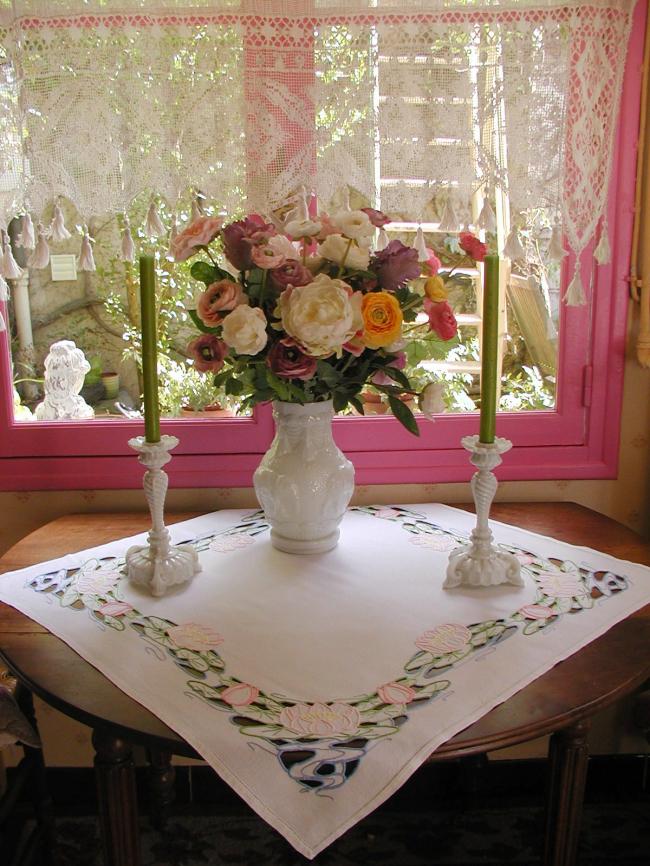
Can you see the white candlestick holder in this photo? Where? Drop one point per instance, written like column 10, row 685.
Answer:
column 482, row 563
column 158, row 565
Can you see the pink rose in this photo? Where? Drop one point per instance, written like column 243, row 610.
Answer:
column 395, row 693
column 194, row 636
column 474, row 248
column 536, row 611
column 444, row 639
column 291, row 273
column 432, row 265
column 441, row 318
column 239, row 236
column 115, row 608
column 264, row 256
column 240, row 695
column 321, row 720
column 218, row 298
column 288, row 361
column 380, row 378
column 376, row 217
column 198, row 233
column 208, row 353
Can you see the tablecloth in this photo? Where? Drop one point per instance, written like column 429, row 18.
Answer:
column 316, row 685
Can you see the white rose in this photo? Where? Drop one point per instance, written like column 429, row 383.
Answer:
column 322, row 315
column 431, row 400
column 353, row 224
column 283, row 246
column 245, row 330
column 303, row 228
column 338, row 249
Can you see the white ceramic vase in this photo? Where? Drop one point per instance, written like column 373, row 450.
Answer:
column 304, row 481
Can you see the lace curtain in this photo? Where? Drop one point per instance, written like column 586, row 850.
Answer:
column 426, row 108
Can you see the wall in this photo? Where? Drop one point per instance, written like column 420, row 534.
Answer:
column 626, row 499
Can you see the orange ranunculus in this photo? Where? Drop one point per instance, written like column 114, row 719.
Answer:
column 382, row 319
column 434, row 288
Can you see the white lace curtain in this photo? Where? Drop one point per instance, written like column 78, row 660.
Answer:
column 424, row 107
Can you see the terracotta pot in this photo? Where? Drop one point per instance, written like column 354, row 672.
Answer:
column 215, row 411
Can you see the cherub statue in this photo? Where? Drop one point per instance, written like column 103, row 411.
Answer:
column 65, row 369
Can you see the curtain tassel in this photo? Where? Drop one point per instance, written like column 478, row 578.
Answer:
column 602, row 253
column 86, row 259
column 40, row 258
column 10, row 269
column 4, row 289
column 153, row 226
column 128, row 247
column 449, row 219
column 486, row 219
column 382, row 240
column 420, row 246
column 556, row 251
column 575, row 293
column 513, row 249
column 58, row 231
column 26, row 239
column 197, row 209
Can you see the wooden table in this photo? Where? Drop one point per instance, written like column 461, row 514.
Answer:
column 560, row 703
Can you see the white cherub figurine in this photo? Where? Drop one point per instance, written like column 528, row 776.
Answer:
column 65, row 370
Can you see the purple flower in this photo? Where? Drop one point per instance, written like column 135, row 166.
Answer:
column 395, row 265
column 238, row 238
column 376, row 217
column 291, row 273
column 289, row 362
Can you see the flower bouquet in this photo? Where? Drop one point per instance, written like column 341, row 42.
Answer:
column 310, row 309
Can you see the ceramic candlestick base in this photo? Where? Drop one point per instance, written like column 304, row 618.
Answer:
column 481, row 563
column 158, row 565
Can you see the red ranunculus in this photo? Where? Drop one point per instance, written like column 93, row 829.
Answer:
column 376, row 217
column 237, row 238
column 441, row 319
column 291, row 273
column 289, row 362
column 472, row 246
column 208, row 353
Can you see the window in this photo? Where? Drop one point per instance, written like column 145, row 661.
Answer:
column 348, row 98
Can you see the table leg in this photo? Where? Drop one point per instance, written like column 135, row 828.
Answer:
column 162, row 777
column 118, row 805
column 568, row 759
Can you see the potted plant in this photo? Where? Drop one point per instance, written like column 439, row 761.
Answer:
column 186, row 392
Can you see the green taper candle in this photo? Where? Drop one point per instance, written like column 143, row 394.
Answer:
column 489, row 349
column 149, row 349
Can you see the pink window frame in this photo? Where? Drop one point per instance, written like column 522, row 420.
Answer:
column 579, row 439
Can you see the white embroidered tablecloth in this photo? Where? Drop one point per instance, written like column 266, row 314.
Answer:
column 316, row 685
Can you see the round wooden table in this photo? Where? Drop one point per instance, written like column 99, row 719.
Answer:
column 560, row 703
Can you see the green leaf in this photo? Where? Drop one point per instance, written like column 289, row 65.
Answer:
column 404, row 415
column 193, row 659
column 339, row 401
column 114, row 622
column 270, row 732
column 234, row 387
column 204, row 272
column 204, row 329
column 280, row 387
column 419, row 660
column 69, row 597
column 373, row 732
column 328, row 374
column 358, row 405
column 208, row 692
column 433, row 688
column 397, row 376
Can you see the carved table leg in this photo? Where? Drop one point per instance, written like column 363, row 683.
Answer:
column 40, row 794
column 162, row 777
column 568, row 759
column 118, row 805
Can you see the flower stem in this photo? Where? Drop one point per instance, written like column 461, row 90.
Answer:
column 341, row 266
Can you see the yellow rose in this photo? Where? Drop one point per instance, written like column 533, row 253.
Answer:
column 434, row 288
column 382, row 319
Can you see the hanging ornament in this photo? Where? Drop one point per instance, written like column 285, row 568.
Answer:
column 40, row 258
column 449, row 220
column 4, row 289
column 197, row 208
column 127, row 251
column 513, row 249
column 602, row 252
column 302, row 210
column 153, row 226
column 382, row 240
column 3, row 327
column 10, row 269
column 58, row 231
column 420, row 246
column 556, row 251
column 26, row 239
column 486, row 219
column 575, row 293
column 86, row 260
